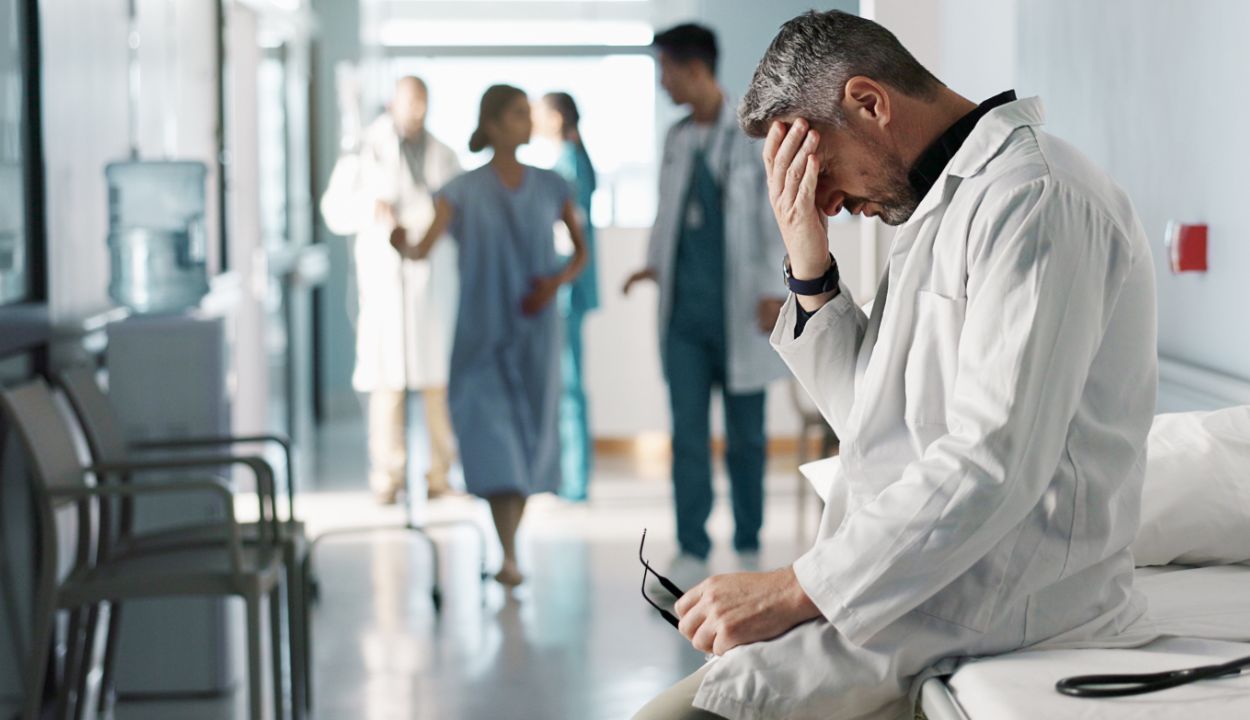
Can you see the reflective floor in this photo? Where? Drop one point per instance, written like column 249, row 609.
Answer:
column 576, row 641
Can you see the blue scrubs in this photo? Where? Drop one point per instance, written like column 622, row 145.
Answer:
column 504, row 388
column 696, row 363
column 576, row 300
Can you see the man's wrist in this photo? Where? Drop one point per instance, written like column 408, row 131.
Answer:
column 812, row 268
column 801, row 606
column 818, row 286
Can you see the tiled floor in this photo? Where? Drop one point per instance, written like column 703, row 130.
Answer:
column 576, row 641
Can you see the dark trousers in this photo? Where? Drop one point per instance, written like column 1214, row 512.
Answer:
column 696, row 363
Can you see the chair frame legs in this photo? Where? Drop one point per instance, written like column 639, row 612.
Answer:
column 84, row 625
column 40, row 652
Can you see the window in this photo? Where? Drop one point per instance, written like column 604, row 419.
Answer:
column 598, row 51
column 616, row 98
column 272, row 111
column 15, row 241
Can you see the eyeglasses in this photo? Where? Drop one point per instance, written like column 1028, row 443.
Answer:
column 668, row 584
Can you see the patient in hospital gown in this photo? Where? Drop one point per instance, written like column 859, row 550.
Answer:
column 504, row 389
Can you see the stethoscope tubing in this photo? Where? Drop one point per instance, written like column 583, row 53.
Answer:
column 1123, row 685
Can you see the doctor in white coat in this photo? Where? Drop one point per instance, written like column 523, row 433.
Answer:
column 993, row 408
column 387, row 185
column 711, row 255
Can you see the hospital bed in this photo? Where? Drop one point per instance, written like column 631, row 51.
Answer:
column 1194, row 549
column 1189, row 604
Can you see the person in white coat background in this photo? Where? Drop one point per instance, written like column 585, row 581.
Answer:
column 712, row 255
column 388, row 183
column 993, row 408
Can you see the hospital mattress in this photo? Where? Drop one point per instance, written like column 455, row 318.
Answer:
column 1203, row 615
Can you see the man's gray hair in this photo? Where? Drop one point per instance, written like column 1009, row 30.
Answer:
column 805, row 70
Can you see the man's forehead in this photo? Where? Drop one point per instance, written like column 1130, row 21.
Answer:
column 786, row 120
column 408, row 87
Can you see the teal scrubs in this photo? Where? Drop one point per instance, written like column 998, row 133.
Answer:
column 696, row 364
column 576, row 300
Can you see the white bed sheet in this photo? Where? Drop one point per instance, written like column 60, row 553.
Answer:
column 1204, row 614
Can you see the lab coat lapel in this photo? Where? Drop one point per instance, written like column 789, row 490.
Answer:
column 986, row 139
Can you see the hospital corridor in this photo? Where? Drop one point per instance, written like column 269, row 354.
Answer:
column 624, row 360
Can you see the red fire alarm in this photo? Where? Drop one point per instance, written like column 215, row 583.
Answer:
column 1187, row 247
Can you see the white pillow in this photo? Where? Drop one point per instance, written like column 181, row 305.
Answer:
column 1196, row 499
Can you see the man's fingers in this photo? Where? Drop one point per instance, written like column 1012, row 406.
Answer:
column 690, row 622
column 689, row 600
column 704, row 640
column 796, row 171
column 776, row 133
column 811, row 177
column 789, row 146
column 776, row 170
column 772, row 140
column 723, row 642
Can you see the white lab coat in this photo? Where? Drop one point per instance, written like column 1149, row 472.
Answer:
column 753, row 247
column 993, row 413
column 379, row 172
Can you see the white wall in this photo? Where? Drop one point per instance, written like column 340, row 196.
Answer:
column 970, row 45
column 978, row 47
column 84, row 124
column 1153, row 91
column 1157, row 92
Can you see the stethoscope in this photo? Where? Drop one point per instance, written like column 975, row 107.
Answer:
column 1103, row 686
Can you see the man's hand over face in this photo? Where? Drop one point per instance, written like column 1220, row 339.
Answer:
column 793, row 171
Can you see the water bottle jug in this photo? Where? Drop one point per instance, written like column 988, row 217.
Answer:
column 157, row 243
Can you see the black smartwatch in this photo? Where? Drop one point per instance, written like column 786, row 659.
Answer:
column 819, row 286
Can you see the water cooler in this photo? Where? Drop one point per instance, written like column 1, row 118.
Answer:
column 168, row 367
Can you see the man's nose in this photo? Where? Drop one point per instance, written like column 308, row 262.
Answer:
column 836, row 204
column 830, row 201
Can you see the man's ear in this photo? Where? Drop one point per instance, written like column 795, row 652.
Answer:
column 867, row 101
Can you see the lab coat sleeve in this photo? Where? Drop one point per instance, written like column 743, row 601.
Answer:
column 452, row 166
column 342, row 200
column 823, row 357
column 1044, row 273
column 658, row 246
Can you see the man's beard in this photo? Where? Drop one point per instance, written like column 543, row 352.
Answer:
column 895, row 196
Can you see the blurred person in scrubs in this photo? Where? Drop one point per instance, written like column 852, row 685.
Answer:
column 993, row 406
column 713, row 255
column 505, row 363
column 385, row 184
column 557, row 119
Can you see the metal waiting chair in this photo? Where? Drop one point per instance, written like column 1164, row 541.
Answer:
column 102, row 573
column 105, row 438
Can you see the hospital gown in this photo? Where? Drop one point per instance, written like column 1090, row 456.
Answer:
column 504, row 388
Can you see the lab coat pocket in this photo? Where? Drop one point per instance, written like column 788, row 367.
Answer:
column 932, row 359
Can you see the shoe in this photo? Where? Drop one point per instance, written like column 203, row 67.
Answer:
column 389, row 496
column 685, row 571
